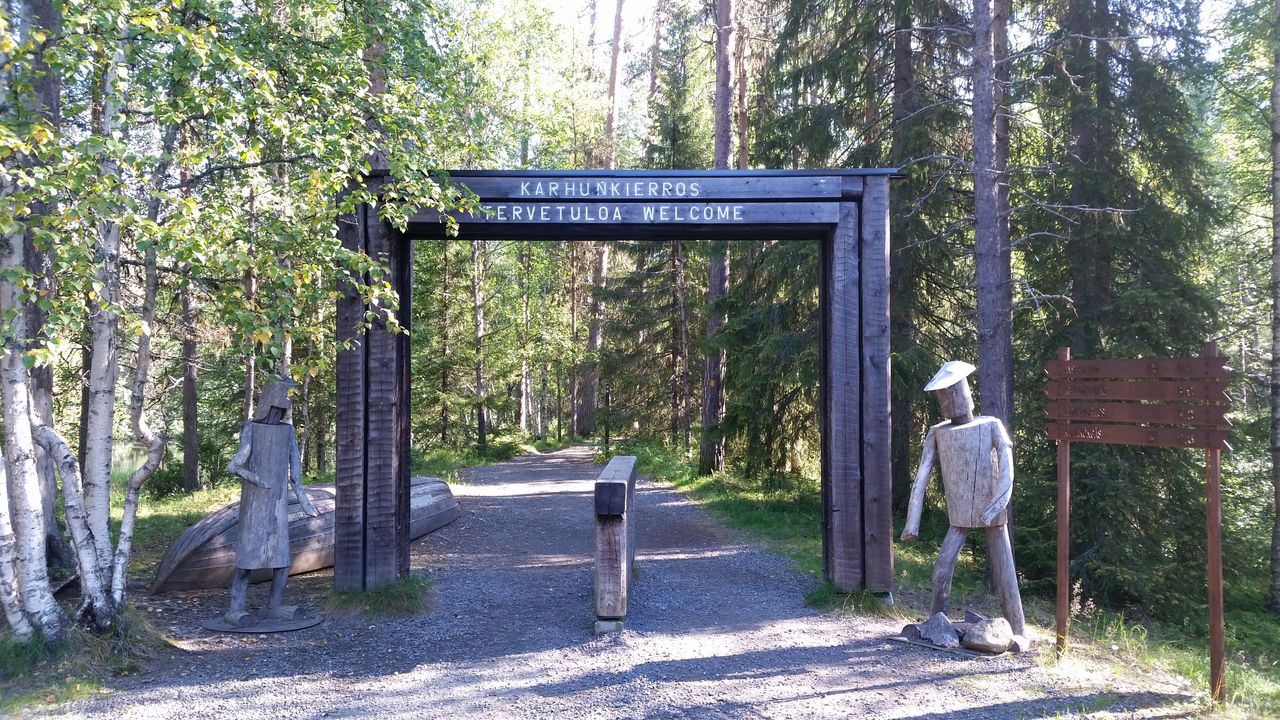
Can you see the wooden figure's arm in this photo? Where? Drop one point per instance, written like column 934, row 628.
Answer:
column 237, row 464
column 295, row 477
column 1004, row 456
column 912, row 529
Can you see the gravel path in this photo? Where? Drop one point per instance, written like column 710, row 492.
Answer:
column 717, row 629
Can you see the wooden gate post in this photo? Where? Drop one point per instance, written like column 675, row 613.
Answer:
column 371, row 523
column 841, row 406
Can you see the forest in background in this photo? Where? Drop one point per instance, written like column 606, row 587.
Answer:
column 172, row 172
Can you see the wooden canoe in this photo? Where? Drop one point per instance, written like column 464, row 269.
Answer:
column 204, row 556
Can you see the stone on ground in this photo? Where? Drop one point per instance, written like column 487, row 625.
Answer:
column 939, row 631
column 992, row 636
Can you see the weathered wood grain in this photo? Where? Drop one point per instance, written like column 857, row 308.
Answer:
column 1169, row 390
column 1063, row 589
column 877, row 476
column 652, row 189
column 1151, row 436
column 557, row 212
column 1213, row 552
column 1194, row 367
column 402, row 277
column 843, row 395
column 382, row 503
column 348, row 563
column 615, row 538
column 1132, row 412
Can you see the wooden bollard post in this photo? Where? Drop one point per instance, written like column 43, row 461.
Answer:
column 615, row 540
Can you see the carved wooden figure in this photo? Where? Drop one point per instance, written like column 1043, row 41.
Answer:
column 269, row 461
column 975, row 458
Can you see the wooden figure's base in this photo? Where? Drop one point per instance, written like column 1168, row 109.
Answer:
column 263, row 625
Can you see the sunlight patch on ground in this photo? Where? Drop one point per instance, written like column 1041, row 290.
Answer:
column 519, row 489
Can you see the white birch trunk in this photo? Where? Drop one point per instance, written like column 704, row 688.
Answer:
column 104, row 341
column 82, row 539
column 24, row 502
column 9, row 598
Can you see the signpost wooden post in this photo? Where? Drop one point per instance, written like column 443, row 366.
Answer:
column 1166, row 402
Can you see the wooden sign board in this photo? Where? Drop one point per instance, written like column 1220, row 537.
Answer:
column 656, row 188
column 1159, row 402
column 1201, row 367
column 1151, row 436
column 557, row 212
column 1158, row 390
column 1133, row 412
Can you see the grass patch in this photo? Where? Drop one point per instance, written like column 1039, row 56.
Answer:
column 403, row 599
column 826, row 597
column 445, row 463
column 785, row 514
column 35, row 674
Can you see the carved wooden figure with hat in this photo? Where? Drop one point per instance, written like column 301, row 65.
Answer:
column 975, row 459
column 269, row 462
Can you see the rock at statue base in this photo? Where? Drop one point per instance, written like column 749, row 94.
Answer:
column 939, row 631
column 972, row 618
column 911, row 631
column 1020, row 644
column 992, row 636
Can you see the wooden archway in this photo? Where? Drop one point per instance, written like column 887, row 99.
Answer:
column 846, row 211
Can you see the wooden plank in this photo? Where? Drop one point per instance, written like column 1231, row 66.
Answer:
column 381, row 501
column 615, row 539
column 1168, row 390
column 652, row 188
column 1213, row 551
column 348, row 551
column 844, row 382
column 402, row 264
column 643, row 213
column 1132, row 412
column 1167, row 437
column 1196, row 367
column 877, row 476
column 824, row 398
column 1062, row 598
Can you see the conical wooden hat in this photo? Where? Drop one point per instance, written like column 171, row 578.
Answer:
column 951, row 372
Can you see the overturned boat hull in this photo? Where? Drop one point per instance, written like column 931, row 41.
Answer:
column 204, row 556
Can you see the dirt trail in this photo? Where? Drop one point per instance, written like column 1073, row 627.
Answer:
column 717, row 629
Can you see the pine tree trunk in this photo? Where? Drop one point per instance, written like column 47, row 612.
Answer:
column 595, row 341
column 683, row 324
column 573, row 333
column 477, row 313
column 610, row 139
column 744, row 112
column 444, row 343
column 526, row 383
column 1275, row 309
column 991, row 249
column 711, row 446
column 902, row 320
column 190, row 398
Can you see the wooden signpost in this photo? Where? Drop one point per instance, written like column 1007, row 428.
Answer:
column 1166, row 402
